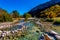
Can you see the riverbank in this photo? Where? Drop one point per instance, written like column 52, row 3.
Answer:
column 12, row 33
column 8, row 24
column 30, row 33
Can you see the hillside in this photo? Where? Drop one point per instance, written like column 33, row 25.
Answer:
column 36, row 10
column 53, row 11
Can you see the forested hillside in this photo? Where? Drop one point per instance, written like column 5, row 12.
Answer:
column 53, row 11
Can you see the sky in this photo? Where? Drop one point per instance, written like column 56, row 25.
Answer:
column 22, row 6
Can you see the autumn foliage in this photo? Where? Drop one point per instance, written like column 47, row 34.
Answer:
column 51, row 12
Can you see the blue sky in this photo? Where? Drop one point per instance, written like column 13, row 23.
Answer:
column 21, row 6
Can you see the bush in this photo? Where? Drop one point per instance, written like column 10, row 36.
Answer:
column 5, row 16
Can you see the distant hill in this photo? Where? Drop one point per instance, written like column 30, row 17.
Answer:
column 36, row 11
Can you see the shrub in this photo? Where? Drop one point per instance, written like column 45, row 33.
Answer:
column 4, row 16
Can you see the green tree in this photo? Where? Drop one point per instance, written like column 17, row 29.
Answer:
column 27, row 15
column 4, row 16
column 15, row 14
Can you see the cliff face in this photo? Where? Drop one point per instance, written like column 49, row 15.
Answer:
column 36, row 11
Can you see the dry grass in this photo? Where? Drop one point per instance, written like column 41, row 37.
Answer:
column 56, row 28
column 56, row 19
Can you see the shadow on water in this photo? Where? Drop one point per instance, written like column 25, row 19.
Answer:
column 56, row 24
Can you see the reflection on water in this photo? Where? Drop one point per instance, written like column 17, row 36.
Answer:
column 57, row 24
column 21, row 21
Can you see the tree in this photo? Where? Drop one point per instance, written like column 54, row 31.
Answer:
column 27, row 15
column 4, row 16
column 15, row 14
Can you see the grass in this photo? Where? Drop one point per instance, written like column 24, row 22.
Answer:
column 57, row 19
column 56, row 28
